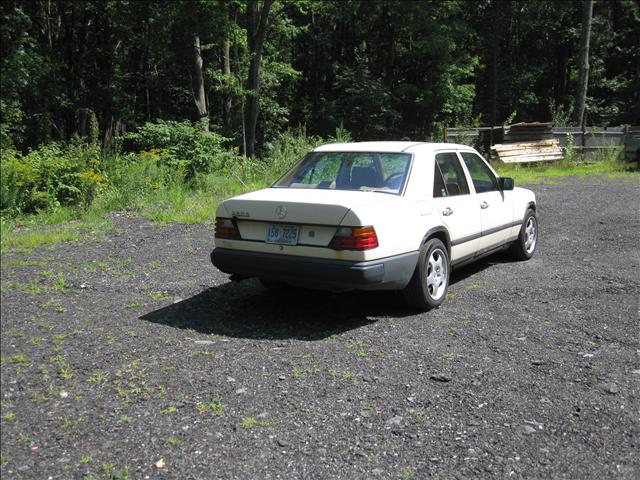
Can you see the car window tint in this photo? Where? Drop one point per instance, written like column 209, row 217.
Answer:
column 323, row 171
column 483, row 178
column 439, row 188
column 364, row 171
column 452, row 173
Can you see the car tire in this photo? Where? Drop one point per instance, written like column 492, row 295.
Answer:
column 525, row 246
column 430, row 282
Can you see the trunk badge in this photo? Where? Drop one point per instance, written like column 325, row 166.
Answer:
column 281, row 211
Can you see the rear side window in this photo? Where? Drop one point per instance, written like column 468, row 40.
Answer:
column 439, row 188
column 481, row 175
column 452, row 174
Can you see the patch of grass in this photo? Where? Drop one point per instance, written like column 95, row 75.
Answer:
column 159, row 295
column 86, row 460
column 25, row 263
column 70, row 425
column 40, row 398
column 110, row 473
column 358, row 347
column 25, row 241
column 349, row 376
column 213, row 406
column 55, row 305
column 170, row 410
column 9, row 417
column 203, row 352
column 98, row 378
column 447, row 355
column 173, row 441
column 64, row 370
column 298, row 372
column 251, row 422
column 130, row 382
column 59, row 339
column 408, row 474
column 418, row 414
column 451, row 296
column 607, row 164
column 453, row 332
column 21, row 359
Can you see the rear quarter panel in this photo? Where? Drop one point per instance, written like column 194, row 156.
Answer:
column 398, row 226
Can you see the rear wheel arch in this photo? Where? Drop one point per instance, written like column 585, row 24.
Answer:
column 441, row 234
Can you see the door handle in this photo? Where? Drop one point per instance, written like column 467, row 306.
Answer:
column 484, row 205
column 447, row 211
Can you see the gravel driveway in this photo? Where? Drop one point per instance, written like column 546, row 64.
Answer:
column 130, row 356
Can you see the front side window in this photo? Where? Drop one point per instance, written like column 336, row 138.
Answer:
column 364, row 171
column 483, row 178
column 452, row 174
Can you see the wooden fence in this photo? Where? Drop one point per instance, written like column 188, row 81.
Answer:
column 587, row 142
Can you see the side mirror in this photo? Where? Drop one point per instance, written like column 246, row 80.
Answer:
column 505, row 183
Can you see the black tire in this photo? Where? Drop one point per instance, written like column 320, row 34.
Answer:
column 433, row 259
column 522, row 249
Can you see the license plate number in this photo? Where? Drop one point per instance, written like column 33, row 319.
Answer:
column 282, row 234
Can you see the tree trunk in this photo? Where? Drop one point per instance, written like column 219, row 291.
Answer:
column 581, row 92
column 227, row 103
column 197, row 83
column 257, row 23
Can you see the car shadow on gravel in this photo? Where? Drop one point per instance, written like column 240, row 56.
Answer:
column 462, row 273
column 246, row 310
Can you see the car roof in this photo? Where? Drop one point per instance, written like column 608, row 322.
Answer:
column 389, row 147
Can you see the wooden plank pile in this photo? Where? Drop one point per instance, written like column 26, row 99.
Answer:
column 529, row 142
column 524, row 152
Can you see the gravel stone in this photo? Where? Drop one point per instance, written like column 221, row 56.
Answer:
column 338, row 386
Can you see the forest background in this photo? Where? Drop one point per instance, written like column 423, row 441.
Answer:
column 165, row 107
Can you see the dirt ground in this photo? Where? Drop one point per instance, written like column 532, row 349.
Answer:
column 130, row 356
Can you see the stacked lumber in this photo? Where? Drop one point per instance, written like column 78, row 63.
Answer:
column 524, row 152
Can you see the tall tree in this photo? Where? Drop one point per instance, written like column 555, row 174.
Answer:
column 585, row 35
column 257, row 24
column 197, row 84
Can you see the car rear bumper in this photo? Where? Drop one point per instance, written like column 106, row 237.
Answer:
column 381, row 274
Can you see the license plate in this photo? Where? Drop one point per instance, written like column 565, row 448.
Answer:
column 282, row 234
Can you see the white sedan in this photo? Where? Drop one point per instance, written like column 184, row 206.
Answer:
column 376, row 216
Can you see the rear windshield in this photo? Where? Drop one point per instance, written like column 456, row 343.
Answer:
column 378, row 172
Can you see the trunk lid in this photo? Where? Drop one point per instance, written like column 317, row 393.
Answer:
column 298, row 205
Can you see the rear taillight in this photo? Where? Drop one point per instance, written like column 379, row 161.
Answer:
column 354, row 238
column 225, row 228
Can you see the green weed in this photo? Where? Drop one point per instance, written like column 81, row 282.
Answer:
column 213, row 406
column 174, row 441
column 203, row 352
column 21, row 359
column 408, row 474
column 9, row 417
column 251, row 422
column 159, row 295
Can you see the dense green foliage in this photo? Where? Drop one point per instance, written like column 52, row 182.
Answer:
column 50, row 176
column 379, row 68
column 99, row 109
